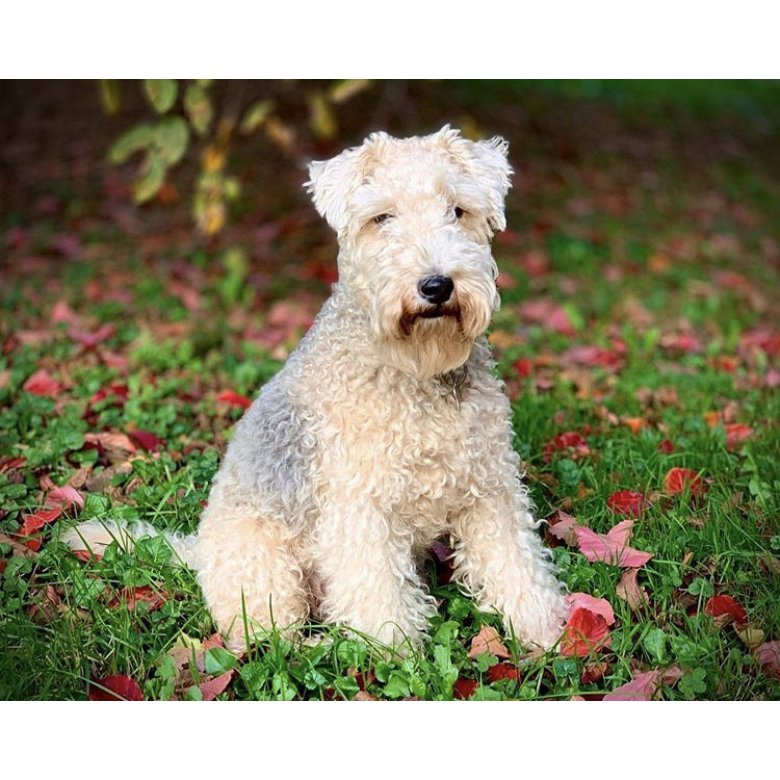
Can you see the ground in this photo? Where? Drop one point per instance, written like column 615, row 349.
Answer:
column 638, row 338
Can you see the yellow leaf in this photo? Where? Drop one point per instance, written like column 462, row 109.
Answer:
column 321, row 118
column 280, row 134
column 212, row 159
column 342, row 91
column 751, row 637
column 110, row 96
column 255, row 115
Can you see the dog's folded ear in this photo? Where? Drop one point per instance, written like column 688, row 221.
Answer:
column 331, row 182
column 490, row 165
column 486, row 163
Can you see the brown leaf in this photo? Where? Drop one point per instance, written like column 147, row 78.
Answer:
column 487, row 641
column 364, row 696
column 630, row 590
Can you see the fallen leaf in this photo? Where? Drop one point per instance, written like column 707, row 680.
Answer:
column 463, row 688
column 502, row 671
column 11, row 464
column 65, row 497
column 364, row 696
column 627, row 502
column 725, row 609
column 549, row 314
column 115, row 687
column 677, row 480
column 630, row 590
column 584, row 632
column 593, row 672
column 234, row 399
column 562, row 525
column 131, row 597
column 645, row 686
column 736, row 433
column 595, row 605
column 666, row 447
column 751, row 637
column 116, row 445
column 611, row 547
column 42, row 383
column 571, row 442
column 768, row 655
column 34, row 522
column 216, row 685
column 145, row 440
column 88, row 339
column 590, row 355
column 487, row 641
column 17, row 547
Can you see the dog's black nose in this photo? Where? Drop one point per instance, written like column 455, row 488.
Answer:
column 436, row 289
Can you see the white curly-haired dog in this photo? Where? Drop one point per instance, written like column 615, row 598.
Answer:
column 387, row 427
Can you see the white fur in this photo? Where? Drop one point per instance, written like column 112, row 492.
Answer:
column 385, row 429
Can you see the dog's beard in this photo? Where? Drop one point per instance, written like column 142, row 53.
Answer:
column 427, row 340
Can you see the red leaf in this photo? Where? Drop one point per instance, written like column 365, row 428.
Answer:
column 677, row 480
column 571, row 441
column 463, row 688
column 65, row 497
column 88, row 340
column 725, row 609
column 768, row 655
column 589, row 355
column 10, row 464
column 594, row 672
column 86, row 556
column 548, row 313
column 584, row 632
column 118, row 392
column 119, row 687
column 666, row 447
column 681, row 342
column 611, row 548
column 595, row 605
column 627, row 502
column 502, row 671
column 213, row 687
column 523, row 367
column 42, row 383
column 145, row 440
column 234, row 399
column 736, row 433
column 34, row 522
column 133, row 596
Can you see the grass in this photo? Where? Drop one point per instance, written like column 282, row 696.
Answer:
column 635, row 269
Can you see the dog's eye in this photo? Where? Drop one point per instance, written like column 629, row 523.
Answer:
column 380, row 218
column 459, row 212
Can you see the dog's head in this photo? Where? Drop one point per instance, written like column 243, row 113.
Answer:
column 414, row 219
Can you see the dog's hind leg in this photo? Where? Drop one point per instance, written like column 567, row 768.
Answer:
column 251, row 578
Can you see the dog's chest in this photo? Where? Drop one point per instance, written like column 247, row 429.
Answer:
column 437, row 455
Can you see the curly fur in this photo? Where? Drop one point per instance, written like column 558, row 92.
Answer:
column 362, row 451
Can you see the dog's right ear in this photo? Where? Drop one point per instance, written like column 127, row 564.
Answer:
column 331, row 182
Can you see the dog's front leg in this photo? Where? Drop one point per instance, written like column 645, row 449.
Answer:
column 501, row 560
column 366, row 567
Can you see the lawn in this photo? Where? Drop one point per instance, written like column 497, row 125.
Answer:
column 638, row 337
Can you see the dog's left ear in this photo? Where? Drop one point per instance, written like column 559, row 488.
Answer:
column 331, row 182
column 490, row 164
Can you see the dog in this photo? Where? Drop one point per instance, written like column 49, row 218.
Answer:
column 387, row 427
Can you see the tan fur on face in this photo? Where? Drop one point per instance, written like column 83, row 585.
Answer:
column 419, row 183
